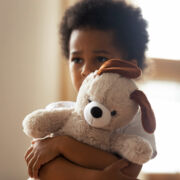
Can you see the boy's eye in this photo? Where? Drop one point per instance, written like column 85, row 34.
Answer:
column 77, row 60
column 113, row 113
column 102, row 59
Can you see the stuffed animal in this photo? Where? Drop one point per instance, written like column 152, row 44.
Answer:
column 106, row 103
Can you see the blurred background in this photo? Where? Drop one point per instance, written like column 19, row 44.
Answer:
column 33, row 73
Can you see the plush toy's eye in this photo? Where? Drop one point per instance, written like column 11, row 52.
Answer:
column 89, row 100
column 113, row 113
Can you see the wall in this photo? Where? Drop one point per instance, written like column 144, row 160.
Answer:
column 29, row 71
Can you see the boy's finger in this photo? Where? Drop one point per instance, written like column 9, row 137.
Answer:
column 28, row 151
column 117, row 166
column 29, row 157
column 132, row 169
column 36, row 167
column 35, row 140
column 40, row 139
column 120, row 164
column 31, row 164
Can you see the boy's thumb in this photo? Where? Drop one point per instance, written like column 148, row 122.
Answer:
column 118, row 165
column 116, row 168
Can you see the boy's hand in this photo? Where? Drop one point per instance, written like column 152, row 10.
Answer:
column 114, row 171
column 39, row 153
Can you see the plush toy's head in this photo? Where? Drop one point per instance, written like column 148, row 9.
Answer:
column 109, row 99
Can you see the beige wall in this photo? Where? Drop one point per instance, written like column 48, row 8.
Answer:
column 29, row 73
column 67, row 90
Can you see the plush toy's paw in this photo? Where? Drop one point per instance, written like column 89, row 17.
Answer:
column 32, row 124
column 42, row 122
column 134, row 149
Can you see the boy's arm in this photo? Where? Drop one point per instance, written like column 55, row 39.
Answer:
column 61, row 168
column 90, row 157
column 84, row 154
column 42, row 151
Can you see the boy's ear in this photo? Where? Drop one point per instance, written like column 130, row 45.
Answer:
column 147, row 114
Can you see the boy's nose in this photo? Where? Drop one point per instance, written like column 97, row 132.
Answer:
column 86, row 70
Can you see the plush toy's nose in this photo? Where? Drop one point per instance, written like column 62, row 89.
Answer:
column 96, row 112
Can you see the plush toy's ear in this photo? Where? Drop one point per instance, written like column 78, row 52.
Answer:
column 148, row 118
column 125, row 68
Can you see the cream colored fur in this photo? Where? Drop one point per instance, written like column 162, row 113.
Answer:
column 112, row 91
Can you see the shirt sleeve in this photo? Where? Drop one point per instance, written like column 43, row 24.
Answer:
column 135, row 128
column 60, row 104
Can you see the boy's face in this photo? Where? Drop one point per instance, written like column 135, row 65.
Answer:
column 88, row 49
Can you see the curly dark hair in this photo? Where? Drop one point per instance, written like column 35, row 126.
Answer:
column 123, row 19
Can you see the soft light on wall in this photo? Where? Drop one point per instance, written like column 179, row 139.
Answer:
column 165, row 100
column 163, row 91
column 163, row 27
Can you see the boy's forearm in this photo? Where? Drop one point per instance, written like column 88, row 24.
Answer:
column 84, row 154
column 61, row 168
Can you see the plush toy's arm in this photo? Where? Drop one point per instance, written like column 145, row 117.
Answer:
column 42, row 122
column 135, row 128
column 133, row 148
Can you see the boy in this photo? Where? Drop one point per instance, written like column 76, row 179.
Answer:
column 92, row 31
